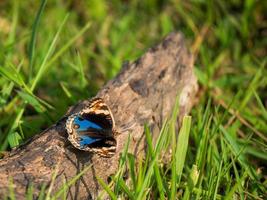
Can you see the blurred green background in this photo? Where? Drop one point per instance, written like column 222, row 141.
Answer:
column 55, row 53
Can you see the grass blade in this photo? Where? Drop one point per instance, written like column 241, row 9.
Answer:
column 111, row 194
column 69, row 183
column 182, row 145
column 43, row 66
column 33, row 37
column 14, row 139
column 68, row 44
column 161, row 189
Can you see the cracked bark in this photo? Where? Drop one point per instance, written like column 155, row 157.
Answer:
column 143, row 92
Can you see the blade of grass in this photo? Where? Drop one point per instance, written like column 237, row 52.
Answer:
column 193, row 179
column 80, row 65
column 125, row 188
column 41, row 194
column 33, row 36
column 68, row 44
column 145, row 184
column 173, row 166
column 29, row 194
column 12, row 128
column 12, row 74
column 69, row 183
column 12, row 34
column 218, row 180
column 43, row 65
column 263, row 109
column 11, row 189
column 252, row 86
column 14, row 139
column 230, row 195
column 140, row 175
column 121, row 169
column 111, row 194
column 32, row 101
column 53, row 178
column 66, row 90
column 172, row 132
column 131, row 162
column 182, row 145
column 161, row 189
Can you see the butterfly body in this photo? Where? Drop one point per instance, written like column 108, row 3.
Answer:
column 92, row 129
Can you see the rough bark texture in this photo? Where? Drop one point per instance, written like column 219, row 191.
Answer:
column 143, row 92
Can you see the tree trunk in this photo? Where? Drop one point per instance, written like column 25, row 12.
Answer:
column 143, row 92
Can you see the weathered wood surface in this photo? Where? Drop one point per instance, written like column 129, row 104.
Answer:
column 143, row 92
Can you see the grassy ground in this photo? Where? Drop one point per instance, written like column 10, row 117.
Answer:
column 223, row 156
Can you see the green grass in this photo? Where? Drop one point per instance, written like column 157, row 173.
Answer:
column 44, row 45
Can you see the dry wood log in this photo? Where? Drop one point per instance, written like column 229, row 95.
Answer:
column 143, row 92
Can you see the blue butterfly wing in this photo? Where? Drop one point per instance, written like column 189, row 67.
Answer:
column 102, row 120
column 86, row 140
column 85, row 125
column 88, row 131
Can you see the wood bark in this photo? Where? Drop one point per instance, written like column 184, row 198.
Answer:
column 143, row 92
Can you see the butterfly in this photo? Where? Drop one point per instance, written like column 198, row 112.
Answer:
column 93, row 129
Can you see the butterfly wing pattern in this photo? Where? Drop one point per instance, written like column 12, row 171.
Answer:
column 92, row 129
